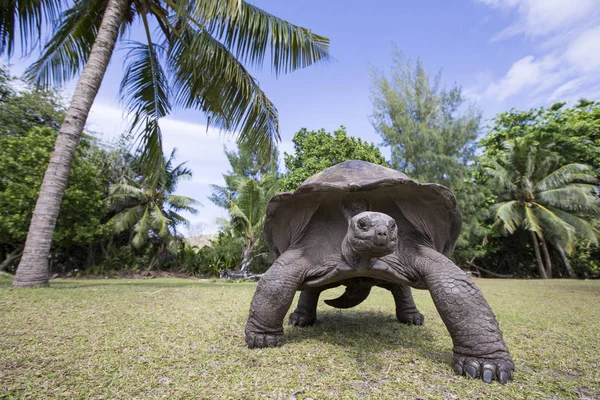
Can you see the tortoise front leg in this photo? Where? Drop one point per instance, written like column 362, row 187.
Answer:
column 406, row 309
column 305, row 313
column 479, row 350
column 272, row 299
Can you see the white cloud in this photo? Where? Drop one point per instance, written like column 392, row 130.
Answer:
column 562, row 66
column 526, row 73
column 541, row 17
column 584, row 51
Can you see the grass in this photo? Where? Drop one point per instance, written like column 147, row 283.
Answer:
column 176, row 338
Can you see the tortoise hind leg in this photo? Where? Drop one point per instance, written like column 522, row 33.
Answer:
column 305, row 313
column 406, row 310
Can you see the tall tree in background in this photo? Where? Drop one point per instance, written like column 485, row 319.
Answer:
column 248, row 163
column 316, row 150
column 431, row 133
column 248, row 187
column 149, row 209
column 534, row 193
column 194, row 60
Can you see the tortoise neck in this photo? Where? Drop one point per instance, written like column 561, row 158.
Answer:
column 355, row 259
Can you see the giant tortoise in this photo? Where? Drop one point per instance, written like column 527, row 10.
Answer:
column 359, row 224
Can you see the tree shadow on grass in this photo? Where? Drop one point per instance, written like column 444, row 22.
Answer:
column 367, row 333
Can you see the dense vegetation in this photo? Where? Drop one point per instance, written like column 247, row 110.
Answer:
column 527, row 184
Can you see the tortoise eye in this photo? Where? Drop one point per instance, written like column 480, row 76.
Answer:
column 362, row 224
column 393, row 225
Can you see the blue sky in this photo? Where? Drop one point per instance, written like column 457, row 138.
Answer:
column 504, row 53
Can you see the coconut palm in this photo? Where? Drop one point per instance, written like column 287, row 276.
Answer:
column 553, row 203
column 194, row 56
column 149, row 209
column 247, row 209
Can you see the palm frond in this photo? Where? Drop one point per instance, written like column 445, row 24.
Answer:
column 126, row 219
column 509, row 215
column 66, row 53
column 208, row 77
column 142, row 230
column 556, row 229
column 180, row 203
column 565, row 174
column 531, row 222
column 583, row 228
column 251, row 32
column 145, row 93
column 160, row 222
column 575, row 198
column 25, row 19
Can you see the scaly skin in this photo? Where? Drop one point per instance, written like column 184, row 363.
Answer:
column 479, row 350
column 305, row 313
column 272, row 299
column 406, row 309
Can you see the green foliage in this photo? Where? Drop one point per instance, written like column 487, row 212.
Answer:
column 536, row 194
column 315, row 151
column 148, row 208
column 574, row 132
column 27, row 108
column 245, row 163
column 223, row 252
column 430, row 131
column 22, row 165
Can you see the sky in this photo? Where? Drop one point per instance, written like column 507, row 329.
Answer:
column 504, row 53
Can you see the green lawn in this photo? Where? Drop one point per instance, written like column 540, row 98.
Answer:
column 175, row 338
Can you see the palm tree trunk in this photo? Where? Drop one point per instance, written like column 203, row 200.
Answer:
column 33, row 268
column 246, row 257
column 568, row 267
column 547, row 258
column 538, row 256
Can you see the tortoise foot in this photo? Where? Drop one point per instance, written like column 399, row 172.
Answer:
column 300, row 319
column 486, row 369
column 262, row 340
column 411, row 318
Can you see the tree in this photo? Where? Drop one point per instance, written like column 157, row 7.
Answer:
column 548, row 201
column 574, row 130
column 574, row 134
column 315, row 151
column 27, row 108
column 247, row 211
column 245, row 163
column 431, row 133
column 149, row 209
column 203, row 44
column 22, row 165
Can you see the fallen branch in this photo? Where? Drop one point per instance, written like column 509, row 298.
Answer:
column 229, row 274
column 497, row 275
column 12, row 257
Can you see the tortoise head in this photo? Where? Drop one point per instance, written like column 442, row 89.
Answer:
column 370, row 235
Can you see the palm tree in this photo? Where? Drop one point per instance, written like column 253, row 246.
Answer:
column 194, row 59
column 549, row 201
column 149, row 209
column 247, row 209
